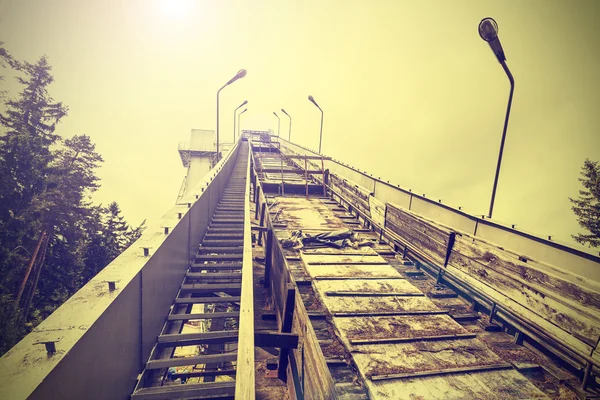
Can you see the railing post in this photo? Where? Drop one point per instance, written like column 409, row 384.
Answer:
column 286, row 327
column 263, row 208
column 268, row 258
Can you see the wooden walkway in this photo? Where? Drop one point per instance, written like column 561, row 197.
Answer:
column 403, row 344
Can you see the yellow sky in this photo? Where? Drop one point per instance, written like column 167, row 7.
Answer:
column 410, row 91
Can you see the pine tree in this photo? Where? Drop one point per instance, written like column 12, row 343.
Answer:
column 52, row 239
column 6, row 60
column 587, row 206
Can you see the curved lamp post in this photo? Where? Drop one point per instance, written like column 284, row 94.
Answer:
column 241, row 73
column 312, row 100
column 488, row 30
column 290, row 132
column 234, row 112
column 278, row 122
column 239, row 115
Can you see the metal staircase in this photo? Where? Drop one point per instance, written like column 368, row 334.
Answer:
column 210, row 297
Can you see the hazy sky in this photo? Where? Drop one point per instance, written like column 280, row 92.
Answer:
column 410, row 91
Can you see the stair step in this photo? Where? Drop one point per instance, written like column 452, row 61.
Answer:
column 214, row 275
column 181, row 361
column 207, row 300
column 220, row 249
column 223, row 242
column 227, row 221
column 218, row 257
column 187, row 317
column 215, row 267
column 206, row 288
column 206, row 390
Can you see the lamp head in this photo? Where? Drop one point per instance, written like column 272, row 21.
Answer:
column 241, row 73
column 244, row 103
column 282, row 110
column 488, row 29
column 312, row 100
column 274, row 113
column 245, row 109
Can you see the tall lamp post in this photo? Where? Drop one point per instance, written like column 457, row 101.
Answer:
column 290, row 131
column 239, row 115
column 278, row 122
column 312, row 100
column 488, row 30
column 234, row 112
column 241, row 73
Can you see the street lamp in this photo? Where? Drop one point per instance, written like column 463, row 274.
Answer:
column 312, row 100
column 239, row 115
column 278, row 122
column 234, row 111
column 488, row 30
column 241, row 73
column 290, row 132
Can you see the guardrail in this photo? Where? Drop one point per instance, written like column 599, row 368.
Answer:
column 304, row 369
column 534, row 247
column 104, row 333
column 244, row 376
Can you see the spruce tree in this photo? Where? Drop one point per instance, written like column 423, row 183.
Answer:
column 587, row 206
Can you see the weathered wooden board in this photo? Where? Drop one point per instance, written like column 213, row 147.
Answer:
column 353, row 271
column 373, row 258
column 377, row 209
column 583, row 295
column 418, row 224
column 542, row 323
column 381, row 359
column 398, row 326
column 426, row 237
column 375, row 304
column 491, row 385
column 310, row 361
column 490, row 269
column 357, row 195
column 365, row 250
column 300, row 213
column 378, row 286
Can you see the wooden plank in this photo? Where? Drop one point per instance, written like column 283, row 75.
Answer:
column 417, row 239
column 213, row 315
column 518, row 309
column 416, row 223
column 286, row 327
column 388, row 313
column 352, row 278
column 418, row 357
column 438, row 372
column 245, row 377
column 555, row 303
column 353, row 271
column 207, row 300
column 182, row 361
column 268, row 258
column 184, row 339
column 384, row 286
column 373, row 294
column 413, row 339
column 215, row 275
column 203, row 288
column 397, row 326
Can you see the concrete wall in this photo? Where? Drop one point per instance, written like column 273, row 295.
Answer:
column 103, row 338
column 534, row 247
